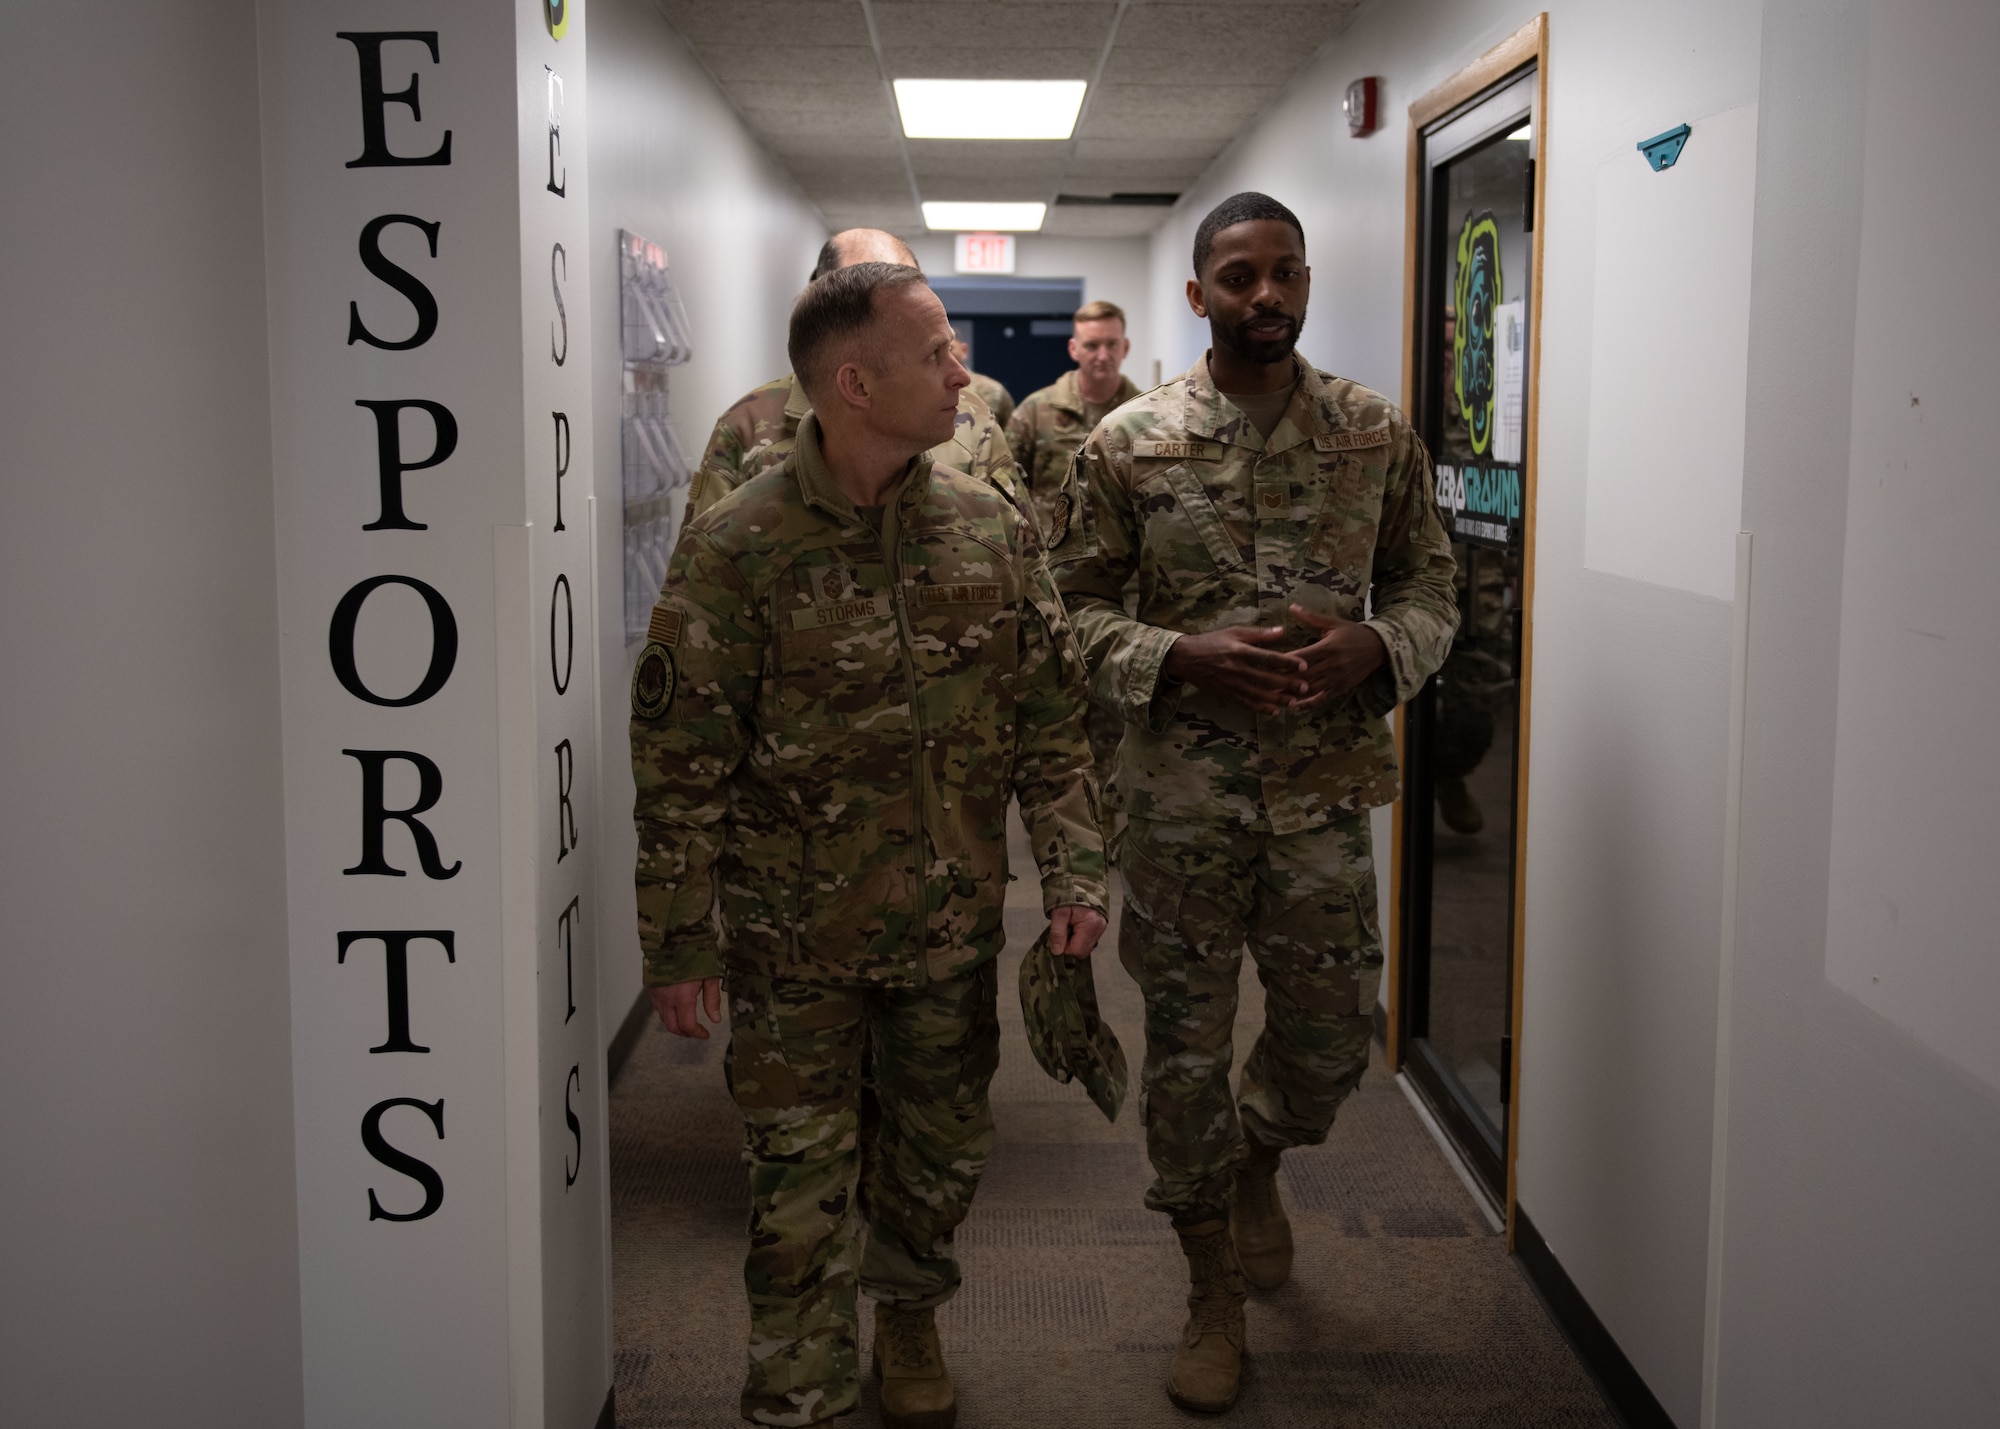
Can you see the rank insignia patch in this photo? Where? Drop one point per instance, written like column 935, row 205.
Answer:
column 653, row 682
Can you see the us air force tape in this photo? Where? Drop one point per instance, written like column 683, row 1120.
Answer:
column 653, row 682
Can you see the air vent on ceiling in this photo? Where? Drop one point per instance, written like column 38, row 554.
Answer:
column 1120, row 200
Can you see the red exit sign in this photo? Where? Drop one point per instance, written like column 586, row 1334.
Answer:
column 984, row 253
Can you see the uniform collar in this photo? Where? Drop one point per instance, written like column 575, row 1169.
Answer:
column 1209, row 414
column 818, row 488
column 1068, row 393
column 797, row 404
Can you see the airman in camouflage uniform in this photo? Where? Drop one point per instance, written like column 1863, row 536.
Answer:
column 1305, row 564
column 757, row 433
column 997, row 398
column 989, row 390
column 1046, row 432
column 834, row 707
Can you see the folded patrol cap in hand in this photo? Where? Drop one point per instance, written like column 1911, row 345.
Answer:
column 1070, row 1040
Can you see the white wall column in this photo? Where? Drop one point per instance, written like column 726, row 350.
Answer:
column 428, row 272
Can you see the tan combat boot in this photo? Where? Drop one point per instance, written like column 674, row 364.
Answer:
column 916, row 1388
column 1209, row 1364
column 1257, row 1218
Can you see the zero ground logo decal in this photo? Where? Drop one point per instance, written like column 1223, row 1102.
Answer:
column 1476, row 296
column 653, row 682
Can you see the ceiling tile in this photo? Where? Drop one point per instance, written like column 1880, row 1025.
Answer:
column 832, row 144
column 854, row 64
column 1105, row 222
column 824, row 96
column 1276, row 30
column 993, row 25
column 1191, row 67
column 1182, row 80
column 756, row 23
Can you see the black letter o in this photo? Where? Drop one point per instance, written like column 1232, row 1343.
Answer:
column 561, row 681
column 444, row 641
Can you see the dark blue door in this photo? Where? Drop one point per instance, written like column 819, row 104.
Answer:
column 1022, row 353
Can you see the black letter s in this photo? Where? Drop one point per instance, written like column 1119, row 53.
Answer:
column 421, row 1172
column 401, row 279
column 575, row 1127
column 556, row 285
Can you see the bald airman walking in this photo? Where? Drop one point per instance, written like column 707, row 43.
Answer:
column 758, row 430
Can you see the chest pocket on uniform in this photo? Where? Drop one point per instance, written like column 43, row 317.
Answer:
column 1180, row 514
column 841, row 652
column 962, row 609
column 1351, row 515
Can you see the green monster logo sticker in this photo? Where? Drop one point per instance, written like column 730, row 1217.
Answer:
column 556, row 14
column 1476, row 296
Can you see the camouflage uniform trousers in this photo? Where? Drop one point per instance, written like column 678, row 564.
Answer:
column 1305, row 904
column 798, row 1055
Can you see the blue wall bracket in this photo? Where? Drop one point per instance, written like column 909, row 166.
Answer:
column 1662, row 149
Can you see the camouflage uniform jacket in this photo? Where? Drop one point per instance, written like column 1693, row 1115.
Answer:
column 996, row 397
column 1047, row 429
column 1224, row 528
column 842, row 720
column 757, row 433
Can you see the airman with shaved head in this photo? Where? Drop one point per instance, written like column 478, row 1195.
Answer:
column 859, row 658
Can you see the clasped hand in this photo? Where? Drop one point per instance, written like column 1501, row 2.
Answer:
column 1237, row 664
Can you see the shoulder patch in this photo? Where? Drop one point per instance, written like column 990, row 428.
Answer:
column 1179, row 451
column 1059, row 518
column 1353, row 441
column 653, row 682
column 665, row 626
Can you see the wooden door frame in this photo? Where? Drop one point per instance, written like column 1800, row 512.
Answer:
column 1528, row 45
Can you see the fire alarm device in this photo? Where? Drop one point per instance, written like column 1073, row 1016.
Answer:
column 1360, row 106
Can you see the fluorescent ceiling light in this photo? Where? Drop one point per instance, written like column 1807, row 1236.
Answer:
column 989, row 108
column 985, row 217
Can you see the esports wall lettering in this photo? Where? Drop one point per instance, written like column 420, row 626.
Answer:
column 391, row 467
column 426, row 190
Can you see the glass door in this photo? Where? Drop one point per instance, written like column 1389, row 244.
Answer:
column 1459, row 854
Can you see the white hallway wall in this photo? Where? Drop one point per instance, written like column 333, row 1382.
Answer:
column 1631, row 680
column 1863, row 1148
column 149, row 1232
column 669, row 159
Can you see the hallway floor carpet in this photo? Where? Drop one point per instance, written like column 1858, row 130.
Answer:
column 1403, row 1309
